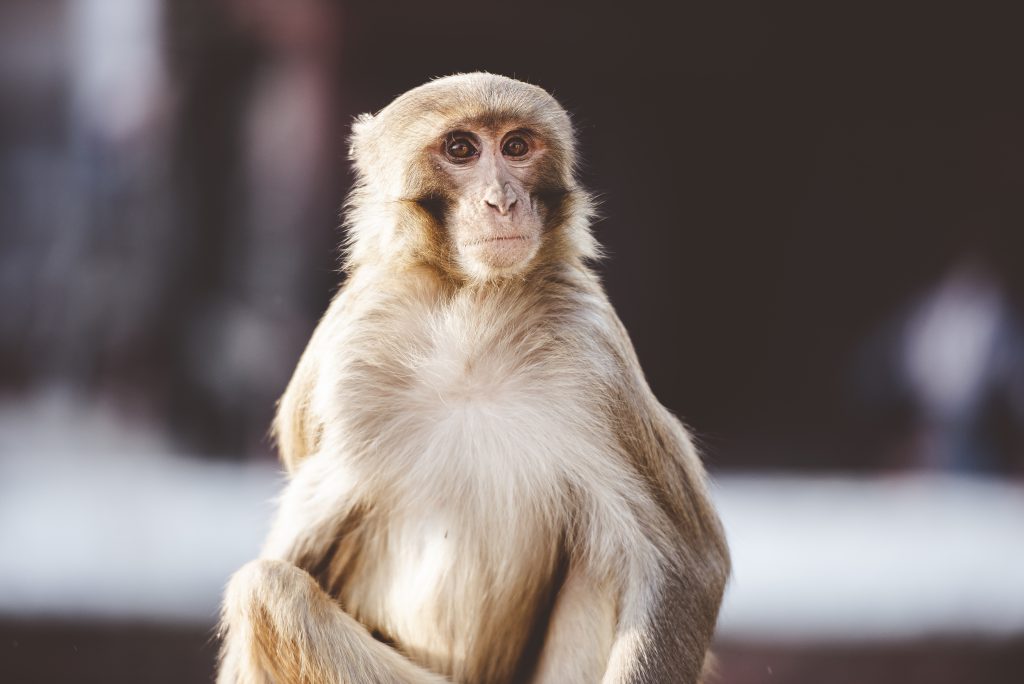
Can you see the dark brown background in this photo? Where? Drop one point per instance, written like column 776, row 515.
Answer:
column 780, row 182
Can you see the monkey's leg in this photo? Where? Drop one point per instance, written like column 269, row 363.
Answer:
column 282, row 627
column 580, row 633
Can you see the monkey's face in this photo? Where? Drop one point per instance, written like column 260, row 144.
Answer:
column 494, row 221
column 471, row 174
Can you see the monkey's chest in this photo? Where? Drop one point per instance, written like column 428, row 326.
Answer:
column 473, row 422
column 478, row 462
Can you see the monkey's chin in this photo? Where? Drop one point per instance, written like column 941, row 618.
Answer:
column 494, row 258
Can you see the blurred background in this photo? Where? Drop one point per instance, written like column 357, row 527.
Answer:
column 814, row 218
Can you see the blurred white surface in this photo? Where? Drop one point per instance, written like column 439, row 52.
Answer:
column 101, row 519
column 867, row 558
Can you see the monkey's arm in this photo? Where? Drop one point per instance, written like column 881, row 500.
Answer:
column 668, row 609
column 278, row 625
column 654, row 622
column 643, row 609
column 296, row 429
column 664, row 628
column 298, row 426
column 667, row 603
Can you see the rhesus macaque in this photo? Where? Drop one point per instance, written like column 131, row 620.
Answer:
column 482, row 486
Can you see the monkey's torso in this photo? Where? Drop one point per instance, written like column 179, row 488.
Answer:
column 474, row 427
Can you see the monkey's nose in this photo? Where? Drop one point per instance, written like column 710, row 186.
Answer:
column 501, row 198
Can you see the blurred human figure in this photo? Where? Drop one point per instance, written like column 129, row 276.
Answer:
column 955, row 361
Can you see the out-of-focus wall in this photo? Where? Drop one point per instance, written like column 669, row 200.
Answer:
column 795, row 200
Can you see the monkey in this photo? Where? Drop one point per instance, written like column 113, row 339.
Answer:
column 482, row 486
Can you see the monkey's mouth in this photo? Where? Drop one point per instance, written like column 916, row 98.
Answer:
column 499, row 253
column 499, row 239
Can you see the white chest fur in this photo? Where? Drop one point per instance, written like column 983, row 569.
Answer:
column 470, row 393
column 477, row 429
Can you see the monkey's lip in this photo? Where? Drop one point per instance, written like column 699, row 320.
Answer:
column 497, row 239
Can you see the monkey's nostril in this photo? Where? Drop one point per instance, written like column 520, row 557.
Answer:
column 501, row 200
column 502, row 206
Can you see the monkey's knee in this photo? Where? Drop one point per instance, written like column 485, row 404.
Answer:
column 265, row 572
column 248, row 585
column 265, row 620
column 263, row 584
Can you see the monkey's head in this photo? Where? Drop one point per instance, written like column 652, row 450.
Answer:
column 473, row 174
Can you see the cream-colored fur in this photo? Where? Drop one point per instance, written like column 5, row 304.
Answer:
column 480, row 477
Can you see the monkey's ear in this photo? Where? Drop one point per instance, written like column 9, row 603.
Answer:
column 362, row 133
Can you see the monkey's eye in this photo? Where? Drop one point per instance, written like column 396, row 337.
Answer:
column 459, row 148
column 515, row 147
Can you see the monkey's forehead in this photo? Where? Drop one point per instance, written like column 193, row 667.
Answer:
column 477, row 100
